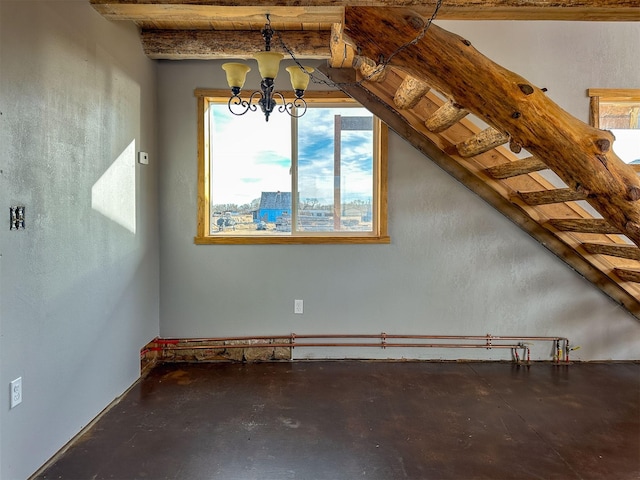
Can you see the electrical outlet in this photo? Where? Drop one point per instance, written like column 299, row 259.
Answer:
column 16, row 392
column 298, row 307
column 16, row 221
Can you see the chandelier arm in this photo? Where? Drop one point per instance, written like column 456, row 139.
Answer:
column 283, row 106
column 299, row 104
column 254, row 105
column 245, row 106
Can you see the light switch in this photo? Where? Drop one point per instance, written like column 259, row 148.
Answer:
column 143, row 158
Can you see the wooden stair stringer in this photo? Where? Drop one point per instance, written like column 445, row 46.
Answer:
column 602, row 270
column 505, row 101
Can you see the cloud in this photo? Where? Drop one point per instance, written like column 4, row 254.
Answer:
column 251, row 156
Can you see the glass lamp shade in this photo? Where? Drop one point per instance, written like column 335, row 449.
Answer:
column 299, row 77
column 268, row 63
column 236, row 74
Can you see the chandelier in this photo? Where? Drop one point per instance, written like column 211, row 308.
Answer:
column 266, row 97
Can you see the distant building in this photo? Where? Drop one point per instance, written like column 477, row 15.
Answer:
column 273, row 205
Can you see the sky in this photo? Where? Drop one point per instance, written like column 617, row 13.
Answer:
column 251, row 156
column 627, row 144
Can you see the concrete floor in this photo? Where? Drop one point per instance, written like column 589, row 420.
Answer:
column 375, row 420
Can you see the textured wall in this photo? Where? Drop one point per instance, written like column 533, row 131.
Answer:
column 79, row 286
column 455, row 266
column 565, row 57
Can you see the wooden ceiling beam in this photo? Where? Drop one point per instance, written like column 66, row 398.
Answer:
column 212, row 44
column 202, row 15
column 331, row 10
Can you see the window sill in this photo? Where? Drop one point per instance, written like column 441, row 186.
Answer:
column 290, row 240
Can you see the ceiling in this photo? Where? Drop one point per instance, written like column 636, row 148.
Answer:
column 205, row 29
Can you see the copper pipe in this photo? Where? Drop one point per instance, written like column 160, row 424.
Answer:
column 293, row 345
column 215, row 339
column 488, row 342
column 381, row 336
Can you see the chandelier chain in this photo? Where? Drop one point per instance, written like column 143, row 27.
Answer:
column 381, row 66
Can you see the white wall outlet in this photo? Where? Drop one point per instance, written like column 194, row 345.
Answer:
column 143, row 158
column 298, row 307
column 16, row 392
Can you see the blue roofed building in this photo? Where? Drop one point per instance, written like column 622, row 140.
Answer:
column 273, row 206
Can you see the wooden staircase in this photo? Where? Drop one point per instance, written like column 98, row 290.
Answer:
column 495, row 166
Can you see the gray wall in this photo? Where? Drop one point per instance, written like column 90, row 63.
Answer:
column 455, row 265
column 565, row 57
column 80, row 284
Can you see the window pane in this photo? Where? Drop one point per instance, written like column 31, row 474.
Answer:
column 627, row 145
column 335, row 170
column 250, row 172
column 622, row 118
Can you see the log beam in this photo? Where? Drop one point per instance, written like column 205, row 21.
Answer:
column 342, row 53
column 509, row 103
column 582, row 225
column 546, row 197
column 445, row 117
column 482, row 142
column 622, row 251
column 370, row 71
column 194, row 10
column 410, row 92
column 628, row 274
column 513, row 169
column 211, row 44
column 201, row 14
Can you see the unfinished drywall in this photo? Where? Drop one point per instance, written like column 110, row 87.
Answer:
column 79, row 285
column 454, row 265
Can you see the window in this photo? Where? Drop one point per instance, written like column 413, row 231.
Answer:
column 320, row 178
column 619, row 112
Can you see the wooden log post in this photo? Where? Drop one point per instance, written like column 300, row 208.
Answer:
column 342, row 54
column 628, row 274
column 369, row 69
column 582, row 225
column 518, row 167
column 445, row 117
column 481, row 142
column 622, row 251
column 580, row 154
column 410, row 92
column 546, row 197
